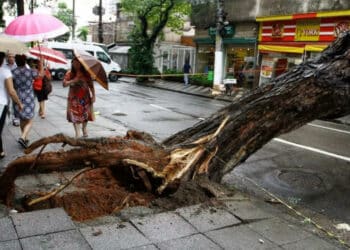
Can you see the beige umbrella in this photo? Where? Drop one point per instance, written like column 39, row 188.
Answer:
column 11, row 45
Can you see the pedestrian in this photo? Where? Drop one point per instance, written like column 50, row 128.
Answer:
column 39, row 85
column 187, row 71
column 6, row 90
column 11, row 64
column 81, row 97
column 23, row 83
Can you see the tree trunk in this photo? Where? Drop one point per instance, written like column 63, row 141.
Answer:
column 20, row 7
column 213, row 147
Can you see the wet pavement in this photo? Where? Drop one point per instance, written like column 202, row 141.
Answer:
column 237, row 222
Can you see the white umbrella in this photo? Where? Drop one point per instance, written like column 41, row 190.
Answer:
column 11, row 45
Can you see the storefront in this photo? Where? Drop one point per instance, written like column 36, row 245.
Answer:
column 285, row 41
column 239, row 54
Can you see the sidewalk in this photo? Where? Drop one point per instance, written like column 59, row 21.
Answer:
column 236, row 222
column 190, row 89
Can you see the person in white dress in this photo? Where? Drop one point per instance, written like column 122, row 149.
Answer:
column 6, row 90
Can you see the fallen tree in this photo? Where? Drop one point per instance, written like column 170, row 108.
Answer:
column 207, row 151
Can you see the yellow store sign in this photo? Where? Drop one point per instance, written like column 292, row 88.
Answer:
column 307, row 30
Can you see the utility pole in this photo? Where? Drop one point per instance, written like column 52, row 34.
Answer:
column 219, row 54
column 100, row 27
column 73, row 23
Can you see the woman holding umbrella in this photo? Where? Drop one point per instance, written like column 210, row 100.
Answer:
column 81, row 96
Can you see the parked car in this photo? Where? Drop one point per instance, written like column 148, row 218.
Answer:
column 58, row 70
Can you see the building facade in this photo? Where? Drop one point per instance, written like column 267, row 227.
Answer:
column 287, row 40
column 239, row 39
column 275, row 33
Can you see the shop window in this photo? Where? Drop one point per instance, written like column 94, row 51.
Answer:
column 174, row 61
column 165, row 65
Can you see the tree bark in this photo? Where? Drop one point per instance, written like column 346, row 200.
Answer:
column 213, row 147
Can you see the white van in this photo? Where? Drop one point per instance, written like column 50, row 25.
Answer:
column 58, row 70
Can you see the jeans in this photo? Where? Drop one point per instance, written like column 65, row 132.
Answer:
column 186, row 78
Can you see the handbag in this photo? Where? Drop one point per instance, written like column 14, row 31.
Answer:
column 47, row 85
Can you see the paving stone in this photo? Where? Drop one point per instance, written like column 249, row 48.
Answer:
column 247, row 210
column 136, row 211
column 279, row 231
column 240, row 237
column 10, row 245
column 114, row 236
column 193, row 242
column 42, row 222
column 67, row 240
column 164, row 226
column 3, row 211
column 148, row 247
column 312, row 243
column 207, row 218
column 7, row 230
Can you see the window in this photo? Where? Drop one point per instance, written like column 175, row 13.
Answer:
column 103, row 57
column 67, row 52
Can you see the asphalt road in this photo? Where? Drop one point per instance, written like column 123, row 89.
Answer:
column 309, row 166
column 158, row 112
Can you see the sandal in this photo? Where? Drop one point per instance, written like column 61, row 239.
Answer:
column 2, row 154
column 22, row 143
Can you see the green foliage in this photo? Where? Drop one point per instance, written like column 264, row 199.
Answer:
column 83, row 33
column 172, row 75
column 177, row 76
column 140, row 55
column 154, row 11
column 201, row 80
column 151, row 16
column 66, row 16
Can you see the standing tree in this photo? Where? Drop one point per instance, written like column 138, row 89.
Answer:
column 83, row 33
column 10, row 7
column 66, row 16
column 151, row 16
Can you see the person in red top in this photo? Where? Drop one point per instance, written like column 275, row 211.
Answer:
column 81, row 97
column 39, row 84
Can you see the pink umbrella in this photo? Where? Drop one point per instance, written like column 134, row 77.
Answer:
column 48, row 54
column 35, row 27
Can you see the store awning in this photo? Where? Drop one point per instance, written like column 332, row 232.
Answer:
column 239, row 40
column 278, row 48
column 233, row 40
column 315, row 48
column 309, row 15
column 204, row 40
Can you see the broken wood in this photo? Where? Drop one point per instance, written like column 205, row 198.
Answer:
column 213, row 147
